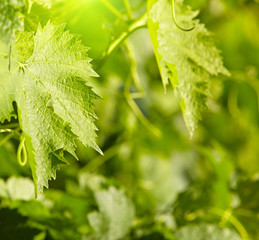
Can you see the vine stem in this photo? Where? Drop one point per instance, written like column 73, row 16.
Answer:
column 133, row 68
column 100, row 160
column 6, row 138
column 137, row 24
column 11, row 132
column 127, row 94
column 227, row 216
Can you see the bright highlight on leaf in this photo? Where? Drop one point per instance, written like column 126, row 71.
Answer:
column 186, row 59
column 48, row 81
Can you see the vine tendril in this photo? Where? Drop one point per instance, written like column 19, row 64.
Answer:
column 174, row 18
column 22, row 156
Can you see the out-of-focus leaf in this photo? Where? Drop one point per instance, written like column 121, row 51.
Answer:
column 223, row 168
column 186, row 59
column 15, row 226
column 17, row 188
column 10, row 19
column 38, row 14
column 206, row 232
column 115, row 215
column 164, row 178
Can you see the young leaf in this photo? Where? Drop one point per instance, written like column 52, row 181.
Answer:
column 185, row 58
column 9, row 19
column 55, row 106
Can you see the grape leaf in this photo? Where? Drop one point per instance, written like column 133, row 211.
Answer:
column 186, row 59
column 55, row 106
column 10, row 19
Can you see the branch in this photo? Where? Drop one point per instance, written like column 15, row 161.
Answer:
column 137, row 24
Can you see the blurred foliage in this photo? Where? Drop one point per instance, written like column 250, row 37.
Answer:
column 147, row 186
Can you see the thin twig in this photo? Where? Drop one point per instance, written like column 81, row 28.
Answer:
column 129, row 98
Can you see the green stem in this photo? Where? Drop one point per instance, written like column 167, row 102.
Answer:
column 137, row 95
column 139, row 23
column 129, row 98
column 128, row 9
column 133, row 67
column 6, row 138
column 100, row 160
column 11, row 132
column 227, row 216
column 113, row 9
column 138, row 112
column 244, row 212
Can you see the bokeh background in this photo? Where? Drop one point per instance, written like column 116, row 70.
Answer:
column 154, row 181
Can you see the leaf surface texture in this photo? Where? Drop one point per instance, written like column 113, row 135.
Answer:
column 55, row 106
column 185, row 58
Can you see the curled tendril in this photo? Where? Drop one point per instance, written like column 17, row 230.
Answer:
column 177, row 25
column 22, row 152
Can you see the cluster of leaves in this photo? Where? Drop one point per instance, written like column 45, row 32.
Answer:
column 152, row 182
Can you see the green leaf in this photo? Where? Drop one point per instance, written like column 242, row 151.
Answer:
column 55, row 106
column 223, row 168
column 17, row 188
column 24, row 44
column 186, row 59
column 115, row 216
column 38, row 14
column 10, row 19
column 206, row 232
